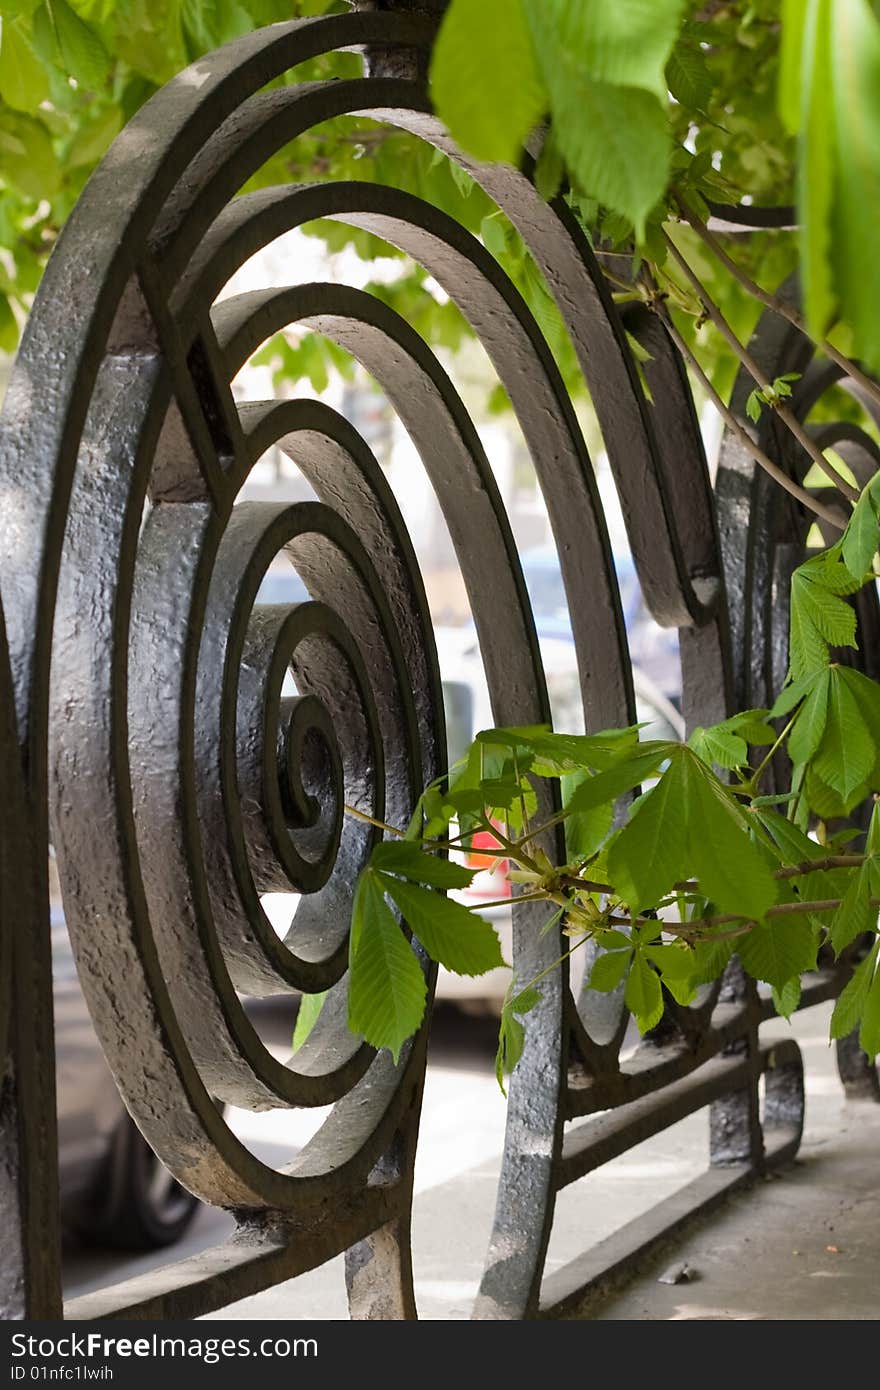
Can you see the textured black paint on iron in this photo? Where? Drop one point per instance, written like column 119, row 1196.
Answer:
column 141, row 697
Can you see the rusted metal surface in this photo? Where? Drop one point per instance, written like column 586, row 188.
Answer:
column 144, row 704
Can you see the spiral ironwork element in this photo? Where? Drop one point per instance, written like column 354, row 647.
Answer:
column 185, row 782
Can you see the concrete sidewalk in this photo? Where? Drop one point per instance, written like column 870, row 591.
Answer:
column 802, row 1245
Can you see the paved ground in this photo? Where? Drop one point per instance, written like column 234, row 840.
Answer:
column 804, row 1245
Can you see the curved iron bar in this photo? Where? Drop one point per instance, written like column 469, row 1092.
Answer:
column 183, row 784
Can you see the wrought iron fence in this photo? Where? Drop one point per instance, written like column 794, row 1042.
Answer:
column 146, row 734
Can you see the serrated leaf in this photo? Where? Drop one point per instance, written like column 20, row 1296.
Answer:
column 643, row 996
column 81, row 48
column 584, row 830
column 728, row 865
column 490, row 108
column 792, row 694
column 552, row 754
column 777, row 950
column 494, row 236
column 459, row 939
column 855, row 916
column 511, row 1033
column 689, row 823
column 819, row 615
column 549, row 169
column 787, row 999
column 650, row 853
column 853, row 81
column 816, row 164
column 869, row 1033
column 26, row 155
column 609, row 969
column 626, row 43
column 688, row 76
column 858, row 544
column 307, row 1015
column 824, row 801
column 604, row 788
column 616, row 144
column 719, row 746
column 847, row 752
column 412, row 862
column 809, row 727
column 23, row 81
column 387, row 990
column 851, row 1001
column 710, row 960
column 674, row 962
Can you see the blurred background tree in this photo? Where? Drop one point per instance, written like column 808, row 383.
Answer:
column 72, row 72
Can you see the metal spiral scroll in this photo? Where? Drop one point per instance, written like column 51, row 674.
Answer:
column 183, row 782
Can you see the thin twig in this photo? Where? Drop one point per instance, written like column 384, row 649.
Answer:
column 774, row 303
column 833, row 517
column 809, row 866
column 788, row 417
column 722, row 918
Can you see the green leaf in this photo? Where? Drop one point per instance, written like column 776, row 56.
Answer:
column 688, row 76
column 643, row 995
column 492, row 231
column 869, row 1033
column 855, row 85
column 651, row 851
column 410, row 861
column 26, row 155
column 792, row 694
column 549, row 169
column 794, row 13
column 855, row 914
column 859, row 542
column 675, row 962
column 778, row 950
column 626, row 43
column 8, row 326
column 23, row 81
column 609, row 969
column 754, row 405
column 819, row 615
column 710, row 960
column 728, row 865
column 615, row 141
column 786, row 1000
column 816, row 160
column 557, row 753
column 847, row 753
column 809, row 727
column 605, row 787
column 584, row 830
column 489, row 107
column 82, row 51
column 387, row 992
column 851, row 1001
column 511, row 1033
column 689, row 823
column 308, row 1013
column 751, row 724
column 719, row 746
column 461, row 940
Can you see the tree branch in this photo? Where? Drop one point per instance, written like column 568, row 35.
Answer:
column 834, row 517
column 774, row 303
column 787, row 416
